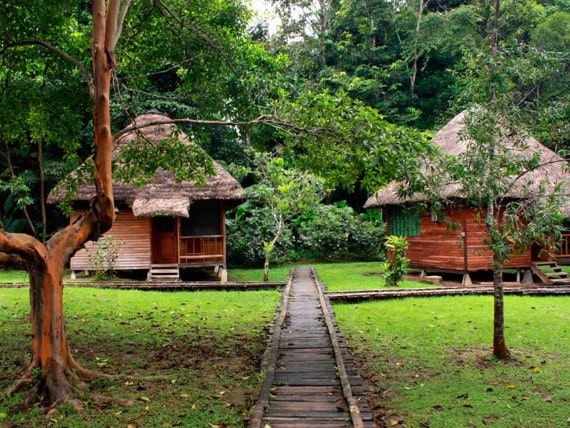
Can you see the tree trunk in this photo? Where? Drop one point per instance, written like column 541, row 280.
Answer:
column 268, row 247
column 416, row 54
column 103, row 63
column 500, row 349
column 42, row 188
column 51, row 353
column 59, row 374
column 266, row 269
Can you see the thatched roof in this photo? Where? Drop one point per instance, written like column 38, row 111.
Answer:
column 161, row 196
column 553, row 169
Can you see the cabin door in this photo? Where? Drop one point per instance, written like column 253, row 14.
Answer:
column 164, row 240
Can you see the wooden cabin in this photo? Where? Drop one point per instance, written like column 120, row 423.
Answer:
column 163, row 226
column 455, row 243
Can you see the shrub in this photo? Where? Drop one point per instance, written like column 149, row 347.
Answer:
column 247, row 229
column 335, row 232
column 103, row 256
column 397, row 265
column 325, row 233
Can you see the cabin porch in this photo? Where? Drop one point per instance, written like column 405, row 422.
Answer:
column 562, row 256
column 198, row 241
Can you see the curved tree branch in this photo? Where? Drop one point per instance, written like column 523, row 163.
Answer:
column 22, row 245
column 263, row 119
column 64, row 55
column 121, row 20
column 10, row 260
column 69, row 240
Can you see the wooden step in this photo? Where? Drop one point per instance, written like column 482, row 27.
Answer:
column 550, row 273
column 551, row 264
column 167, row 272
column 556, row 275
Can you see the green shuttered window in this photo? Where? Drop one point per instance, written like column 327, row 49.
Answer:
column 403, row 221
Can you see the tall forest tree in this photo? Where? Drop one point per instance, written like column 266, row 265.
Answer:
column 60, row 374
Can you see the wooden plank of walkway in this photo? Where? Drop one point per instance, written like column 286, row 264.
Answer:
column 306, row 388
column 352, row 296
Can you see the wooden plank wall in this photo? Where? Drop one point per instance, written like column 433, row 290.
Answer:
column 438, row 246
column 480, row 257
column 441, row 247
column 134, row 232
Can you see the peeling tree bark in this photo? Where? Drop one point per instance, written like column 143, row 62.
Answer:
column 60, row 375
column 103, row 63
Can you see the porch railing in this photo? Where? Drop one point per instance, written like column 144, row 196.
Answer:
column 201, row 249
column 564, row 250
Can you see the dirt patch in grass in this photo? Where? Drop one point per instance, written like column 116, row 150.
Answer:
column 169, row 384
column 474, row 357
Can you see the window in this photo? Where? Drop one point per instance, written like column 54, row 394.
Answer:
column 403, row 221
column 204, row 219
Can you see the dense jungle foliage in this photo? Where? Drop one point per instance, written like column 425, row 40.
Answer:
column 352, row 90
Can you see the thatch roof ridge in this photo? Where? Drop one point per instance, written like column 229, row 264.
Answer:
column 164, row 187
column 450, row 141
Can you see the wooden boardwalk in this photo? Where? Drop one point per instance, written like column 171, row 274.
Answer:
column 309, row 380
column 354, row 296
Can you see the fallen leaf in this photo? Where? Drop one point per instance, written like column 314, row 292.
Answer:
column 184, row 395
column 143, row 398
column 132, row 426
column 510, row 386
column 536, row 369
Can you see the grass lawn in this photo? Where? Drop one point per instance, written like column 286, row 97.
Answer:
column 336, row 276
column 12, row 276
column 429, row 360
column 348, row 276
column 194, row 356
